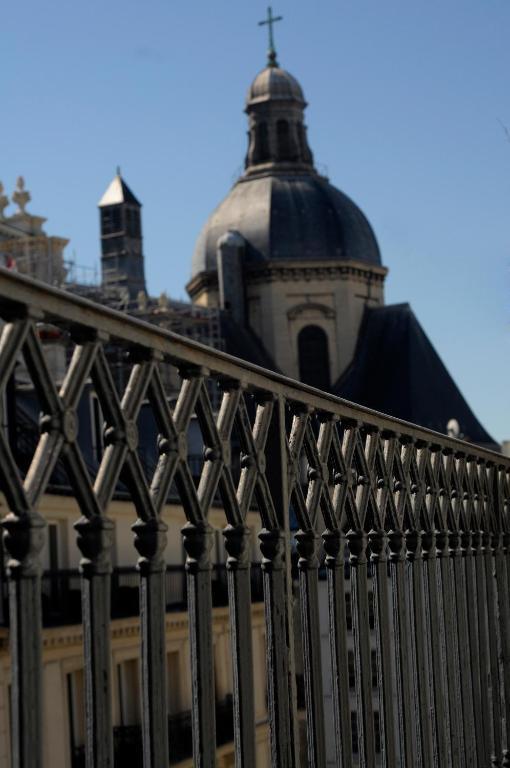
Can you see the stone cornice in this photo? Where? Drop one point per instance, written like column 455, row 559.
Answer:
column 64, row 637
column 290, row 270
column 202, row 282
column 263, row 170
column 32, row 241
column 293, row 271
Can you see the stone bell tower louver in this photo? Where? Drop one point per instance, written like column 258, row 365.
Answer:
column 122, row 261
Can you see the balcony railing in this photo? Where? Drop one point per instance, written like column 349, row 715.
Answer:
column 61, row 592
column 430, row 511
column 128, row 742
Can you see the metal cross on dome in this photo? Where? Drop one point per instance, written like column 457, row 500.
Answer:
column 271, row 53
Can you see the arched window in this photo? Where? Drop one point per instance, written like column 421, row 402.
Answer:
column 314, row 357
column 261, row 144
column 304, row 149
column 283, row 140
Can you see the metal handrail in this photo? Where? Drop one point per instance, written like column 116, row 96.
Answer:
column 59, row 305
column 424, row 519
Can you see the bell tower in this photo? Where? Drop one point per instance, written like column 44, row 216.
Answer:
column 275, row 107
column 122, row 262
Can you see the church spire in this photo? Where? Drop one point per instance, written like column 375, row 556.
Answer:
column 122, row 262
column 277, row 132
column 271, row 52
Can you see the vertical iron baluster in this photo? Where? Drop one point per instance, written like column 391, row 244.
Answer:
column 465, row 651
column 379, row 558
column 150, row 542
column 419, row 657
column 197, row 541
column 470, row 544
column 357, row 543
column 306, row 544
column 23, row 531
column 335, row 565
column 278, row 692
column 238, row 572
column 401, row 649
column 95, row 540
column 279, row 599
column 440, row 722
column 452, row 650
column 442, row 661
column 506, row 590
column 491, row 544
column 481, row 538
column 504, row 629
column 317, row 450
column 23, row 539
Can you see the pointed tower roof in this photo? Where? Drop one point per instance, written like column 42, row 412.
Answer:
column 117, row 193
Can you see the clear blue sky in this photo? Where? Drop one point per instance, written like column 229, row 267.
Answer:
column 405, row 99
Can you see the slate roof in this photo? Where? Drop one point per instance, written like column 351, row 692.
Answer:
column 274, row 84
column 289, row 216
column 396, row 370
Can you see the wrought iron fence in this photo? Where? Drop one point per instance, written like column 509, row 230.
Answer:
column 430, row 511
column 128, row 742
column 61, row 592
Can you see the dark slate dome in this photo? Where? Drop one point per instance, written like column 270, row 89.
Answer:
column 281, row 206
column 289, row 216
column 274, row 83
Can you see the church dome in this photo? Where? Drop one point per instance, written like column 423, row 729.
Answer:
column 281, row 207
column 288, row 216
column 274, row 83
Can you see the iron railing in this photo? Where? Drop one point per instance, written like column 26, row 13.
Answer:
column 128, row 741
column 431, row 511
column 61, row 592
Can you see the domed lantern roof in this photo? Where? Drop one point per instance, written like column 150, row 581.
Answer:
column 283, row 209
column 274, row 83
column 284, row 217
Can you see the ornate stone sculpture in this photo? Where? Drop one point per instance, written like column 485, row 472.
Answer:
column 21, row 196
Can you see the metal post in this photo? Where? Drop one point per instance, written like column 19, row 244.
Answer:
column 238, row 573
column 385, row 683
column 279, row 602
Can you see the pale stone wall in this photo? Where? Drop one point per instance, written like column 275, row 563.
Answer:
column 55, row 721
column 62, row 656
column 62, row 646
column 284, row 300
